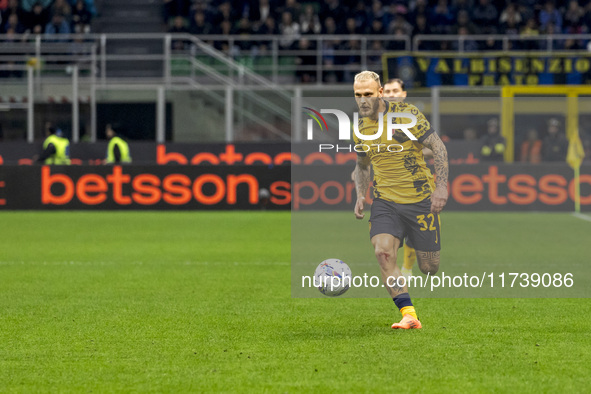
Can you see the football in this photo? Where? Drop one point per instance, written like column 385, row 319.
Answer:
column 332, row 277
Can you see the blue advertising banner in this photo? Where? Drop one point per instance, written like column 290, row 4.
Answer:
column 426, row 69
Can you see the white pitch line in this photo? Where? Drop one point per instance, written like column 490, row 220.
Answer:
column 582, row 216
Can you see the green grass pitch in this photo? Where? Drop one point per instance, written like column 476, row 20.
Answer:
column 201, row 302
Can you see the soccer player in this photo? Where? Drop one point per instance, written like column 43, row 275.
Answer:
column 394, row 90
column 406, row 200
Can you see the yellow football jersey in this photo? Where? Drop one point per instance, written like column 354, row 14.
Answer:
column 399, row 176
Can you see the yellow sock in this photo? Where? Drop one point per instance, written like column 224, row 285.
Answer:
column 409, row 310
column 410, row 257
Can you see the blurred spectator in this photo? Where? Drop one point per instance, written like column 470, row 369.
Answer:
column 269, row 27
column 333, row 9
column 361, row 18
column 352, row 61
column 293, row 7
column 375, row 52
column 330, row 26
column 512, row 13
column 259, row 12
column 243, row 29
column 572, row 45
column 421, row 27
column 289, row 30
column 350, row 27
column 376, row 27
column 462, row 5
column 330, row 75
column 441, row 19
column 377, row 12
column 199, row 25
column 305, row 62
column 420, row 7
column 491, row 44
column 179, row 26
column 464, row 21
column 9, row 43
column 573, row 18
column 530, row 30
column 399, row 23
column 511, row 25
column 27, row 5
column 555, row 144
column 309, row 21
column 551, row 29
column 37, row 17
column 528, row 8
column 12, row 7
column 485, row 16
column 329, row 47
column 58, row 25
column 470, row 134
column 61, row 7
column 81, row 17
column 38, row 29
column 550, row 15
column 224, row 29
column 531, row 148
column 469, row 45
column 224, row 13
column 14, row 25
column 493, row 144
column 399, row 43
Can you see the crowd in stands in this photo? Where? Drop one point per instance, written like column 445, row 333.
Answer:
column 291, row 18
column 45, row 16
column 544, row 143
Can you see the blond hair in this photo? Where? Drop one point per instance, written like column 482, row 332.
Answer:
column 368, row 75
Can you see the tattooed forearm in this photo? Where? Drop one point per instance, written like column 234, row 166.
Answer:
column 362, row 176
column 434, row 143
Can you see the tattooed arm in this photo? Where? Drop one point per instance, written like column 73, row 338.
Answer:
column 439, row 196
column 362, row 175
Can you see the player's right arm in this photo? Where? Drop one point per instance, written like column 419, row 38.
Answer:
column 362, row 175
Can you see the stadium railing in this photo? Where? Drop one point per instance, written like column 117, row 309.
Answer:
column 185, row 56
column 260, row 82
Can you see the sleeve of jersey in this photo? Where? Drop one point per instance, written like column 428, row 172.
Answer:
column 422, row 129
column 357, row 141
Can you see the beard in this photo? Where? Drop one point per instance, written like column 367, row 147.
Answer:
column 369, row 107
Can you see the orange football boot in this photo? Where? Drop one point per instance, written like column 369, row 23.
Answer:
column 407, row 323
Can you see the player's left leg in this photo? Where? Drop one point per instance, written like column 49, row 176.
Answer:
column 385, row 247
column 410, row 258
